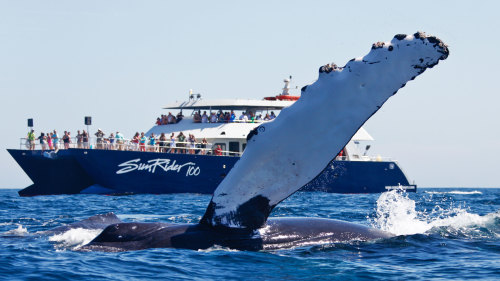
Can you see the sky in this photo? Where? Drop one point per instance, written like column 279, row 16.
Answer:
column 121, row 61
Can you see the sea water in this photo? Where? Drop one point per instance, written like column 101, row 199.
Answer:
column 442, row 234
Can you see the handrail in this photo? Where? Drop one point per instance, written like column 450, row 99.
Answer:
column 128, row 145
column 222, row 122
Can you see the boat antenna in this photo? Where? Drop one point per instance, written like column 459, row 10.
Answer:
column 286, row 88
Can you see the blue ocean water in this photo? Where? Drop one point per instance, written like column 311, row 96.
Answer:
column 442, row 234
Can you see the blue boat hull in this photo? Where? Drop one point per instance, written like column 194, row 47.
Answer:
column 76, row 171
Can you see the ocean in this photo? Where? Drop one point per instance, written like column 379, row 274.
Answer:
column 442, row 234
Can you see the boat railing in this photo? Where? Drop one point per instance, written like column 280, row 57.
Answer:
column 127, row 145
column 223, row 122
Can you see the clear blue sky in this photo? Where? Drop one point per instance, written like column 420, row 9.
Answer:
column 121, row 61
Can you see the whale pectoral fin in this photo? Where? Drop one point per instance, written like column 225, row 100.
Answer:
column 133, row 236
column 287, row 153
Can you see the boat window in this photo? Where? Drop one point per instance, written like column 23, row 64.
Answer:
column 243, row 146
column 234, row 146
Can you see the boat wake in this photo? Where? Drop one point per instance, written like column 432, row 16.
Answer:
column 397, row 213
column 457, row 192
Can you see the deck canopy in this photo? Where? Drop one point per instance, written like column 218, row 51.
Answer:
column 230, row 104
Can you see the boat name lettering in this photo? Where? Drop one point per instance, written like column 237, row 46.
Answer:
column 164, row 164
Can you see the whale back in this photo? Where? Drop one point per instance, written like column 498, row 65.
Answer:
column 100, row 221
column 283, row 155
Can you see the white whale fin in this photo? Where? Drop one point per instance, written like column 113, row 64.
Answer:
column 283, row 155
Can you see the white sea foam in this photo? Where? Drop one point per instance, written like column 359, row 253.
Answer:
column 217, row 248
column 75, row 238
column 396, row 213
column 19, row 231
column 455, row 192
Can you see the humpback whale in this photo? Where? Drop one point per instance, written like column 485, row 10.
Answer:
column 283, row 155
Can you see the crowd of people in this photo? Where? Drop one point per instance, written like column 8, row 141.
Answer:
column 52, row 140
column 169, row 119
column 115, row 141
column 219, row 117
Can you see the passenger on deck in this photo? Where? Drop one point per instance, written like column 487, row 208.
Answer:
column 152, row 142
column 204, row 117
column 259, row 117
column 197, row 117
column 119, row 140
column 267, row 117
column 243, row 117
column 158, row 121
column 218, row 151
column 162, row 142
column 192, row 144
column 79, row 139
column 213, row 118
column 55, row 140
column 85, row 139
column 272, row 116
column 179, row 117
column 142, row 142
column 111, row 140
column 172, row 144
column 100, row 136
column 43, row 141
column 182, row 138
column 49, row 141
column 31, row 139
column 66, row 140
column 170, row 118
column 227, row 117
column 221, row 117
column 135, row 141
column 233, row 116
column 251, row 117
column 203, row 146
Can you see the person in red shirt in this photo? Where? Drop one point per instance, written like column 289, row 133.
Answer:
column 218, row 151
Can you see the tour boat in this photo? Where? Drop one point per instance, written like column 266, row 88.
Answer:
column 122, row 168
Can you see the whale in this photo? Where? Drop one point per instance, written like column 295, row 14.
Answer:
column 278, row 233
column 285, row 154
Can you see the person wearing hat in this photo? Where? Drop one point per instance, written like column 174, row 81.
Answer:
column 119, row 140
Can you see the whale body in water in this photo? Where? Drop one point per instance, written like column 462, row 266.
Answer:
column 283, row 155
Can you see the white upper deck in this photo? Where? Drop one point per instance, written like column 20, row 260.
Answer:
column 232, row 130
column 230, row 104
column 213, row 131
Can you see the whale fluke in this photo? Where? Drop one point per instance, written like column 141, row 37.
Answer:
column 283, row 155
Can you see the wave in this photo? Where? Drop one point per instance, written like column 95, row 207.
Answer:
column 396, row 213
column 454, row 192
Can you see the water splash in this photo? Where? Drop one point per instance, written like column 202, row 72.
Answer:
column 19, row 231
column 75, row 238
column 398, row 214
